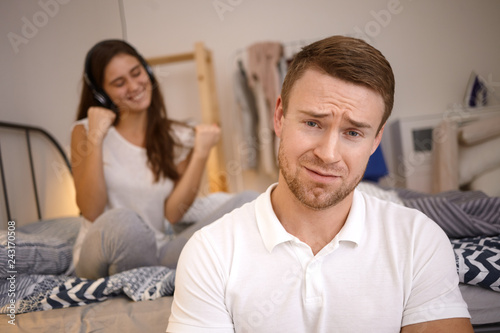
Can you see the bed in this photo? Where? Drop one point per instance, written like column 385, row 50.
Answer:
column 38, row 293
column 36, row 257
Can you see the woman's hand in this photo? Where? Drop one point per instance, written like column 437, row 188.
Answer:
column 206, row 137
column 191, row 170
column 100, row 120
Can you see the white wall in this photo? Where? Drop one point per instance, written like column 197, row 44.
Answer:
column 432, row 45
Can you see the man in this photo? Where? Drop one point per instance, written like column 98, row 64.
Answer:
column 313, row 254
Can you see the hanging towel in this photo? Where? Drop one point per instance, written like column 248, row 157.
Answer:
column 263, row 61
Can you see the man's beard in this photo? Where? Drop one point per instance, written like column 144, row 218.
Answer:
column 314, row 195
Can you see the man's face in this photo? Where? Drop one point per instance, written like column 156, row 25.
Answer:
column 327, row 137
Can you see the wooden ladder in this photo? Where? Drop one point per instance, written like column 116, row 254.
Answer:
column 216, row 171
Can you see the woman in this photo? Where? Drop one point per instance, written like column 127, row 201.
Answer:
column 133, row 167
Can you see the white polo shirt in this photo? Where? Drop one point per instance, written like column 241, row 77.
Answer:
column 388, row 267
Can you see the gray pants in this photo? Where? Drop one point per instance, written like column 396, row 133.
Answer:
column 120, row 240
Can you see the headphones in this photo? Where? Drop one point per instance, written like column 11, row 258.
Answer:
column 99, row 95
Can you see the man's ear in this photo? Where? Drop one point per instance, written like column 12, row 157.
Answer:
column 278, row 117
column 378, row 138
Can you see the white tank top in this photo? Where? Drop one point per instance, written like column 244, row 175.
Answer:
column 130, row 182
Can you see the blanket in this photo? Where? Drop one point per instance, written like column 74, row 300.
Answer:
column 459, row 213
column 478, row 261
column 45, row 292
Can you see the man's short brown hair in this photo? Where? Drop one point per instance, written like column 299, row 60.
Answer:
column 348, row 59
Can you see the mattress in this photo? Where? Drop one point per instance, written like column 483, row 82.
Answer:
column 119, row 314
column 484, row 304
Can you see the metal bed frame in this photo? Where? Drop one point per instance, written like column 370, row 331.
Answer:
column 27, row 129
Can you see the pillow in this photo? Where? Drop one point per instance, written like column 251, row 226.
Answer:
column 480, row 130
column 43, row 247
column 475, row 160
column 488, row 182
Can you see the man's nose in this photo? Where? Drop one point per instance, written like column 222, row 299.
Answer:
column 327, row 148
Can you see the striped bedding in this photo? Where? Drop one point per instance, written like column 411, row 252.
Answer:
column 45, row 292
column 460, row 214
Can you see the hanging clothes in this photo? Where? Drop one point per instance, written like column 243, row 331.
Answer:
column 248, row 116
column 265, row 80
column 267, row 137
column 263, row 62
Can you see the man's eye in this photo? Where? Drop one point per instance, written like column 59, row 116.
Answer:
column 353, row 133
column 311, row 124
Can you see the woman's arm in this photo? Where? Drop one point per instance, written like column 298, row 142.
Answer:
column 191, row 171
column 87, row 163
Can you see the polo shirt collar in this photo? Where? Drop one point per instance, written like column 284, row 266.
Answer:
column 352, row 231
column 271, row 229
column 273, row 233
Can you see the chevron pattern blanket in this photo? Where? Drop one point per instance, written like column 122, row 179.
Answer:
column 478, row 261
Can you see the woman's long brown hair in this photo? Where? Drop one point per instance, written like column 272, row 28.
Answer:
column 159, row 138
